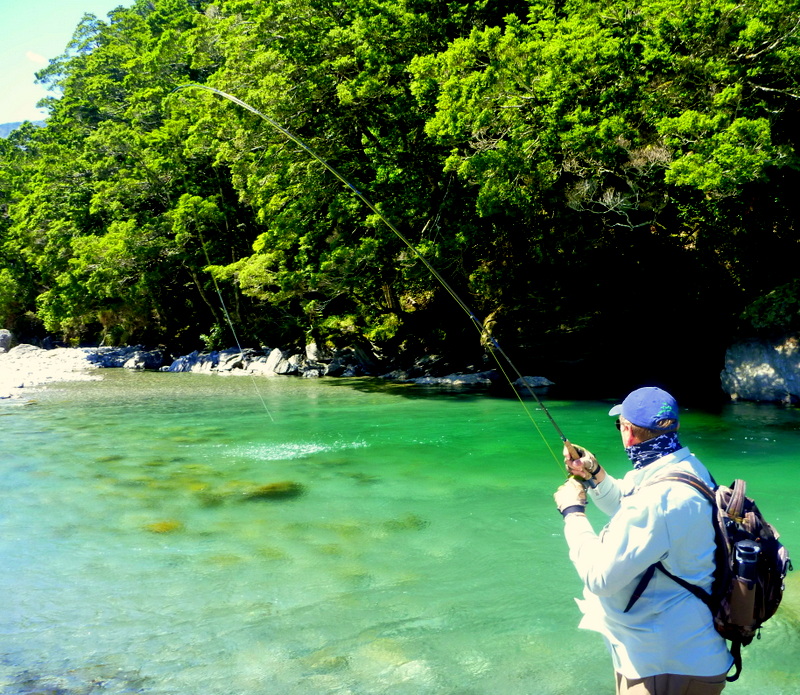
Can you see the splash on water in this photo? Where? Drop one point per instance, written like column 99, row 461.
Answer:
column 288, row 450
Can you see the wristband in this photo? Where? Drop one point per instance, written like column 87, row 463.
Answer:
column 573, row 508
column 596, row 470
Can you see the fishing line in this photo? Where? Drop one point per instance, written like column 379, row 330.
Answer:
column 495, row 348
column 233, row 330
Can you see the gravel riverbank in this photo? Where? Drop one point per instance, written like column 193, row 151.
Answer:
column 25, row 367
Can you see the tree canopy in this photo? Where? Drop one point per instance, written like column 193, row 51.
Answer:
column 600, row 180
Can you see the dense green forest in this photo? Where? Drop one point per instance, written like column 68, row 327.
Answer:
column 613, row 187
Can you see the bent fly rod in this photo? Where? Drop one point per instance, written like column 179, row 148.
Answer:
column 495, row 348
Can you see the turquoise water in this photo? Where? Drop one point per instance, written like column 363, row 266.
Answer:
column 423, row 555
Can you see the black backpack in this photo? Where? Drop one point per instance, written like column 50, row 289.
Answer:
column 751, row 565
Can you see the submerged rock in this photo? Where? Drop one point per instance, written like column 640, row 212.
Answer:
column 409, row 522
column 274, row 491
column 211, row 499
column 167, row 526
column 535, row 382
column 479, row 379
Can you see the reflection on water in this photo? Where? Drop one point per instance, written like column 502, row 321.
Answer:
column 161, row 534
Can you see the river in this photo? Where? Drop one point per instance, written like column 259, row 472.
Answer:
column 172, row 534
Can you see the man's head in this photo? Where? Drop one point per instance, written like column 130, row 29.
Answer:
column 647, row 412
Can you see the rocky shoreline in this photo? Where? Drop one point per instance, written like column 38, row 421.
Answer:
column 25, row 367
column 761, row 371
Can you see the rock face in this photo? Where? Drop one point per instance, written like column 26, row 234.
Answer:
column 6, row 339
column 763, row 370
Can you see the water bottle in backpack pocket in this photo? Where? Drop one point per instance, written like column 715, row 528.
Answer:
column 743, row 588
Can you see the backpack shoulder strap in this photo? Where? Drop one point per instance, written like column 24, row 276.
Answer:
column 704, row 596
column 689, row 479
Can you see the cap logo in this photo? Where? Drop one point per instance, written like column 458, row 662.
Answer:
column 665, row 409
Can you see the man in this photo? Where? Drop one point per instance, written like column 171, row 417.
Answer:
column 665, row 642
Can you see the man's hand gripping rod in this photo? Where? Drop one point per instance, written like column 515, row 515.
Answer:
column 573, row 454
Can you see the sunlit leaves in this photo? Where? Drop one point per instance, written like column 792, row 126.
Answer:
column 569, row 90
column 717, row 156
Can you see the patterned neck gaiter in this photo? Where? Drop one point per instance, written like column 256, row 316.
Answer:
column 653, row 449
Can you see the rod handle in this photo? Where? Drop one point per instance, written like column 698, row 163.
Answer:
column 573, row 454
column 571, row 450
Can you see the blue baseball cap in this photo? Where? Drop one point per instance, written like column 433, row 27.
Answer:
column 646, row 406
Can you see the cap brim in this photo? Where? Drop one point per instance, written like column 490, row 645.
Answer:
column 616, row 410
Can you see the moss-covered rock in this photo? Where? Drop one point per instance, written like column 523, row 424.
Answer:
column 274, row 491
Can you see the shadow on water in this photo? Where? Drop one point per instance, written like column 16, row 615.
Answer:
column 499, row 390
column 407, row 390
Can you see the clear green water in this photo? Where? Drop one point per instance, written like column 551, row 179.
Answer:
column 424, row 556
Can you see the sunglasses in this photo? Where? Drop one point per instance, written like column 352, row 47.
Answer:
column 618, row 424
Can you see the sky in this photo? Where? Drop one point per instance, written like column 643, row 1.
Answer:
column 32, row 32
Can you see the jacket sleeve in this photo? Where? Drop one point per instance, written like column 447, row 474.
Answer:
column 607, row 495
column 635, row 538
